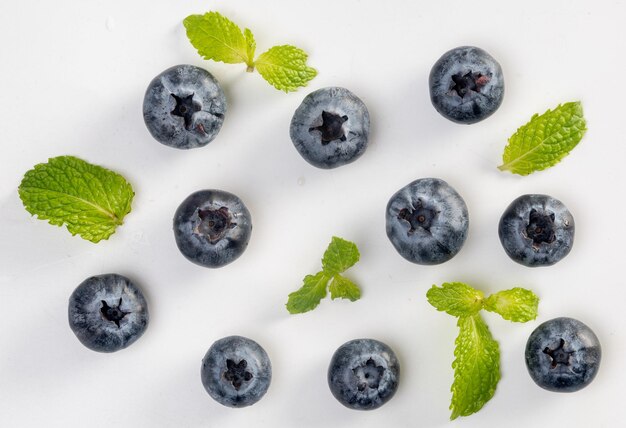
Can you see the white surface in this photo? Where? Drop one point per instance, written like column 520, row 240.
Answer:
column 74, row 74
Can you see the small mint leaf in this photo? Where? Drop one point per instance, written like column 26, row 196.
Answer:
column 343, row 288
column 455, row 298
column 309, row 295
column 339, row 256
column 250, row 47
column 284, row 67
column 516, row 304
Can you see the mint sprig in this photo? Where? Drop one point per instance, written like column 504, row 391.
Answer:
column 219, row 39
column 477, row 354
column 338, row 257
column 545, row 140
column 89, row 199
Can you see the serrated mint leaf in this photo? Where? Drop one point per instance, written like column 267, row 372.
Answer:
column 476, row 366
column 219, row 39
column 343, row 288
column 250, row 47
column 545, row 140
column 516, row 304
column 339, row 256
column 284, row 67
column 455, row 298
column 309, row 295
column 89, row 199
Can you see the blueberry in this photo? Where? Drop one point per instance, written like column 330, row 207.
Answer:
column 563, row 355
column 427, row 221
column 212, row 228
column 236, row 371
column 107, row 312
column 466, row 85
column 536, row 230
column 184, row 107
column 330, row 128
column 363, row 374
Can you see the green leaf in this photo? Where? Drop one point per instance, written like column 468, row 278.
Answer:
column 90, row 200
column 284, row 67
column 455, row 298
column 516, row 304
column 219, row 39
column 545, row 140
column 476, row 366
column 343, row 288
column 339, row 256
column 309, row 295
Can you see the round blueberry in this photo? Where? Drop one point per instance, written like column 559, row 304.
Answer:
column 184, row 107
column 107, row 312
column 212, row 228
column 466, row 85
column 236, row 371
column 330, row 128
column 536, row 230
column 363, row 374
column 563, row 355
column 427, row 221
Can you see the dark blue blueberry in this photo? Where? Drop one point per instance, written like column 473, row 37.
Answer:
column 212, row 228
column 107, row 312
column 184, row 107
column 466, row 85
column 236, row 371
column 536, row 230
column 563, row 355
column 363, row 374
column 427, row 221
column 330, row 128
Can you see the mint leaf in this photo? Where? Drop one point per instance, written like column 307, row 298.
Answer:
column 284, row 67
column 476, row 366
column 219, row 39
column 343, row 288
column 516, row 304
column 250, row 48
column 309, row 295
column 339, row 256
column 455, row 298
column 89, row 199
column 545, row 140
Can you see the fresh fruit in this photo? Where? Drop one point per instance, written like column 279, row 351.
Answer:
column 236, row 371
column 563, row 355
column 107, row 312
column 466, row 85
column 330, row 128
column 536, row 230
column 184, row 107
column 212, row 228
column 363, row 374
column 427, row 221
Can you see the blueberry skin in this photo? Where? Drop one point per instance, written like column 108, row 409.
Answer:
column 184, row 107
column 212, row 228
column 236, row 371
column 466, row 85
column 107, row 312
column 536, row 230
column 363, row 374
column 563, row 355
column 330, row 128
column 427, row 221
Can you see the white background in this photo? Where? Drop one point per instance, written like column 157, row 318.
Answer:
column 73, row 76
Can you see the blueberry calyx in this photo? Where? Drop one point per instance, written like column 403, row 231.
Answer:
column 331, row 127
column 540, row 228
column 214, row 223
column 369, row 375
column 418, row 217
column 113, row 313
column 559, row 355
column 185, row 108
column 236, row 373
column 465, row 83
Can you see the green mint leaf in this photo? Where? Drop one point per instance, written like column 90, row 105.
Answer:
column 339, row 256
column 309, row 295
column 516, row 304
column 219, row 39
column 284, row 67
column 476, row 366
column 89, row 199
column 455, row 298
column 250, row 48
column 343, row 288
column 545, row 140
